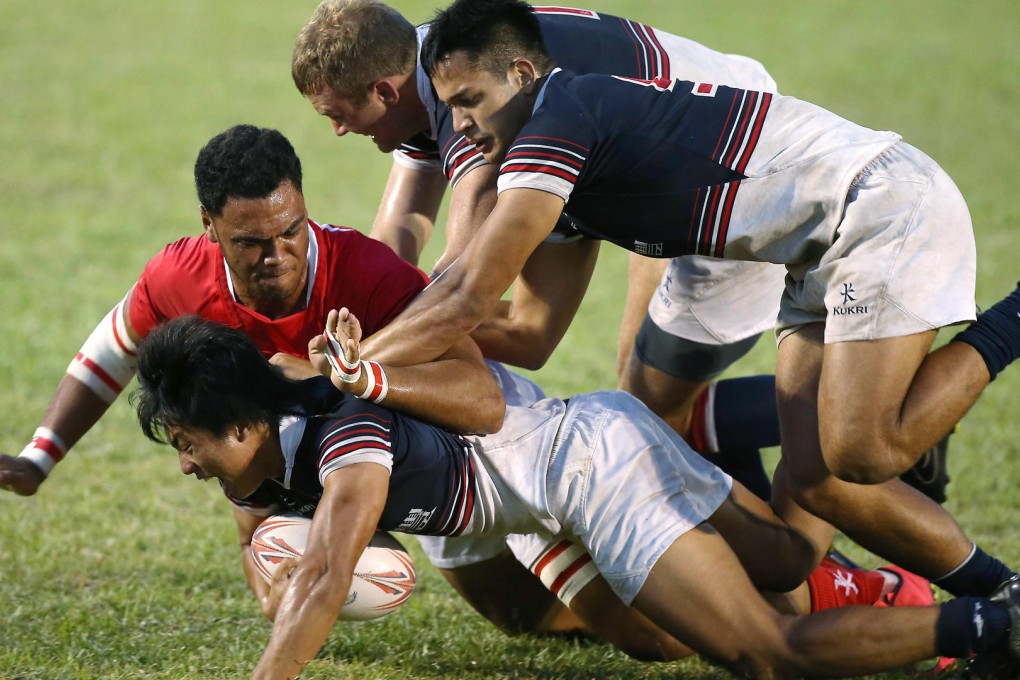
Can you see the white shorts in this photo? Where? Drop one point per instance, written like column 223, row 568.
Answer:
column 903, row 260
column 626, row 488
column 717, row 302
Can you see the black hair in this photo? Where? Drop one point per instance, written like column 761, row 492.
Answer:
column 200, row 374
column 244, row 162
column 493, row 33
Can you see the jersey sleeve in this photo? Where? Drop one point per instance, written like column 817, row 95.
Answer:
column 387, row 284
column 359, row 435
column 158, row 294
column 418, row 153
column 552, row 149
column 142, row 311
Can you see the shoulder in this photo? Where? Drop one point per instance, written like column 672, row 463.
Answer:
column 365, row 255
column 190, row 253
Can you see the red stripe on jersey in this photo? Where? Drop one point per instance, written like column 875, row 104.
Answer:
column 539, row 154
column 705, row 247
column 694, row 222
column 99, row 372
column 747, row 110
column 555, row 139
column 553, row 553
column 545, row 169
column 116, row 333
column 565, row 575
column 759, row 123
column 663, row 54
column 551, row 9
column 51, row 449
column 468, row 506
column 725, row 128
column 724, row 219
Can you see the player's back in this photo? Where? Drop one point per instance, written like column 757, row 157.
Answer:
column 584, row 41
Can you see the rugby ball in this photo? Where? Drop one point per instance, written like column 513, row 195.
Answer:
column 383, row 577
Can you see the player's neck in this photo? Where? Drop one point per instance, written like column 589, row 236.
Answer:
column 272, row 308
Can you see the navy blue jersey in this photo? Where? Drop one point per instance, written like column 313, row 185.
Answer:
column 584, row 41
column 668, row 168
column 432, row 484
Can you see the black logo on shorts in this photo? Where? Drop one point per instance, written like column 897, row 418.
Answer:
column 848, row 297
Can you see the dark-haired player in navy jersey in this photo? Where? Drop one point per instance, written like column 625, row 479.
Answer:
column 671, row 533
column 876, row 240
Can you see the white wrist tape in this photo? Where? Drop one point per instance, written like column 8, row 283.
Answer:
column 378, row 386
column 347, row 371
column 106, row 362
column 45, row 450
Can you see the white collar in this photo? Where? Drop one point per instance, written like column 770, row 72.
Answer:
column 425, row 91
column 541, row 93
column 292, row 429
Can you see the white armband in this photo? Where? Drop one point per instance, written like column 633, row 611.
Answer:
column 45, row 450
column 378, row 386
column 106, row 362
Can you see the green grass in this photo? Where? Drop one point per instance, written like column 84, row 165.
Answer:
column 121, row 567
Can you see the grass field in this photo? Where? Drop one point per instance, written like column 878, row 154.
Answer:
column 123, row 568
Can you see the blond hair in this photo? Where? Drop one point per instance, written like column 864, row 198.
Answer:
column 348, row 45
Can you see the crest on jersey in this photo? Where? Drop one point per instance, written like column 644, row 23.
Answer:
column 704, row 89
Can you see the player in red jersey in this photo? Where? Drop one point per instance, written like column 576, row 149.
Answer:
column 264, row 267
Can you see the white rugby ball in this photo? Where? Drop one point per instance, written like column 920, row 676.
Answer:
column 383, row 577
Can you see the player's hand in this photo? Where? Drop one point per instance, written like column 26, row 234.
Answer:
column 292, row 367
column 337, row 353
column 19, row 475
column 271, row 602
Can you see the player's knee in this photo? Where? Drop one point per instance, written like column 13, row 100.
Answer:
column 864, row 455
column 817, row 495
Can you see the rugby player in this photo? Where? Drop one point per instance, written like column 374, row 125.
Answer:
column 668, row 168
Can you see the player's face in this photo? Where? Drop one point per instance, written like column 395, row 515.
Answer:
column 488, row 109
column 265, row 244
column 241, row 459
column 376, row 117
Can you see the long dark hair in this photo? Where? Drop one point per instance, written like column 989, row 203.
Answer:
column 200, row 374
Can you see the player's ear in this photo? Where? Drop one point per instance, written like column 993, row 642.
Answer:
column 386, row 91
column 207, row 224
column 526, row 74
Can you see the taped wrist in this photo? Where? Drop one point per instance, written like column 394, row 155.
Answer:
column 45, row 450
column 106, row 362
column 378, row 386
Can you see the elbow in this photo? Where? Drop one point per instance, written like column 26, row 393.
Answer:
column 493, row 413
column 535, row 354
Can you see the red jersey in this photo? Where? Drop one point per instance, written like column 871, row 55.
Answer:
column 350, row 270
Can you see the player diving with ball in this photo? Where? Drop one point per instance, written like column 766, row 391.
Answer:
column 683, row 550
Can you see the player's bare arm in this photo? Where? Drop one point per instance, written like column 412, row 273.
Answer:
column 344, row 521
column 408, row 210
column 525, row 330
column 471, row 200
column 456, row 391
column 466, row 293
column 77, row 403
